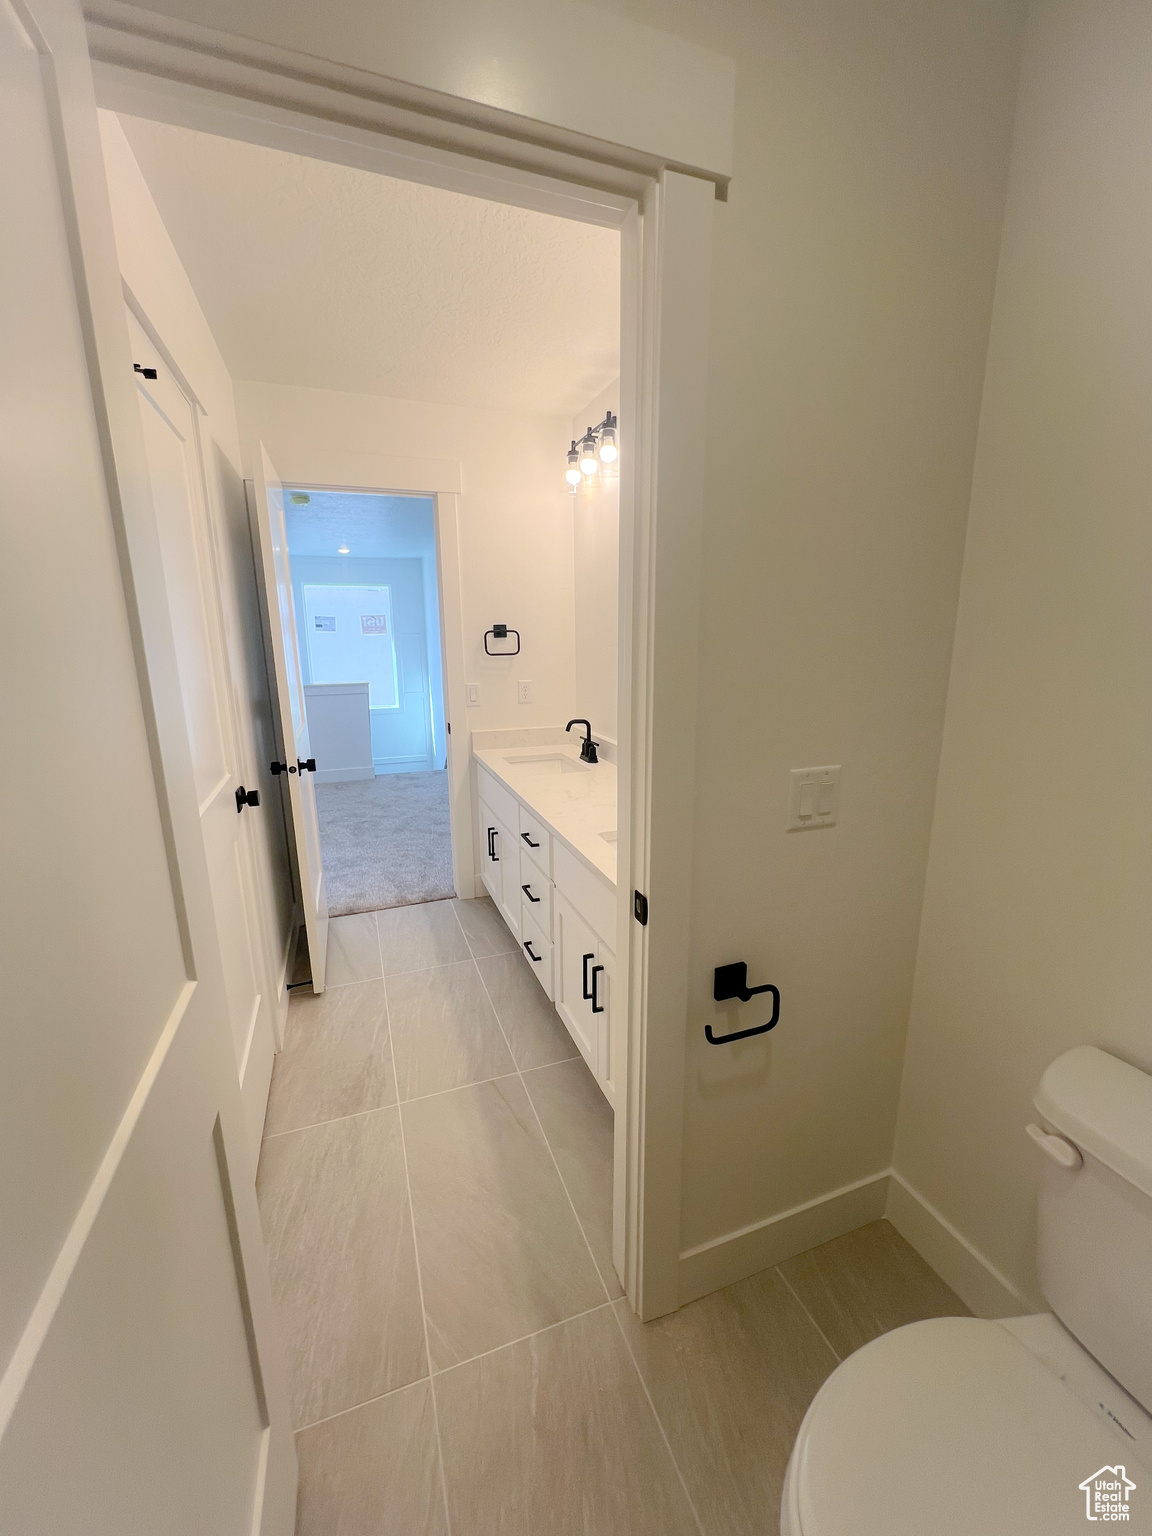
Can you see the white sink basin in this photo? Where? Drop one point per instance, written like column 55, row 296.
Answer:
column 609, row 837
column 548, row 762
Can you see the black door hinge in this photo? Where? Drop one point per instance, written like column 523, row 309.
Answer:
column 640, row 907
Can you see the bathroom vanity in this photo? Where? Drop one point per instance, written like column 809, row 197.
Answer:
column 547, row 841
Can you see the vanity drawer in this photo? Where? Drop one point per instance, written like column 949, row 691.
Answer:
column 536, row 838
column 499, row 799
column 537, row 950
column 535, row 892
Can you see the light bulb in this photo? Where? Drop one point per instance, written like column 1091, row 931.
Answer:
column 588, row 461
column 572, row 473
column 343, row 550
column 608, row 446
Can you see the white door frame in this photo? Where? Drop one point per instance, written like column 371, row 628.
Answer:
column 149, row 66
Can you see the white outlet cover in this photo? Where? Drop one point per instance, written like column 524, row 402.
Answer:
column 524, row 691
column 473, row 694
column 813, row 798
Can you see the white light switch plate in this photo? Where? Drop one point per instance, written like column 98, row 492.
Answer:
column 813, row 798
column 524, row 691
column 473, row 693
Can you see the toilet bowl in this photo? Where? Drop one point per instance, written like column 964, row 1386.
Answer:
column 965, row 1427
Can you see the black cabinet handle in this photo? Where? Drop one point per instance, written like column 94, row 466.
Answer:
column 531, row 954
column 306, row 764
column 246, row 797
column 584, row 987
column 491, row 850
column 527, row 889
column 278, row 768
column 529, row 841
column 596, row 1004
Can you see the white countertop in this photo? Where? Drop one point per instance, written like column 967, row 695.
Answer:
column 577, row 806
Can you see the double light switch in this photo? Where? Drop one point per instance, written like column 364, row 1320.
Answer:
column 813, row 797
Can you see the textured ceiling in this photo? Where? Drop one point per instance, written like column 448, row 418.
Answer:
column 317, row 274
column 373, row 527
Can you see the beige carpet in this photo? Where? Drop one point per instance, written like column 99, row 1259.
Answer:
column 386, row 841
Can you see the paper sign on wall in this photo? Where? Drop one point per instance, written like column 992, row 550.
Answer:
column 326, row 621
column 373, row 624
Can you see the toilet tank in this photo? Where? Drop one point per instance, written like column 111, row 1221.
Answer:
column 1095, row 1220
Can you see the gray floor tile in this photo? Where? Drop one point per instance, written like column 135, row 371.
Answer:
column 444, row 1032
column 731, row 1377
column 530, row 1021
column 353, row 949
column 417, row 938
column 579, row 1125
column 554, row 1437
column 336, row 1058
column 487, row 932
column 862, row 1284
column 374, row 1471
column 334, row 1206
column 501, row 1253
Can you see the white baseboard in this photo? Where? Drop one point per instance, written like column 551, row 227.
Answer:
column 342, row 775
column 745, row 1252
column 977, row 1282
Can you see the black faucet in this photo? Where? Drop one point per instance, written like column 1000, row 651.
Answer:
column 587, row 746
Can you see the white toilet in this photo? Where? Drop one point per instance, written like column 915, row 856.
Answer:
column 1033, row 1426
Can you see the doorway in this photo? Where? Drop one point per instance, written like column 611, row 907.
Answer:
column 366, row 591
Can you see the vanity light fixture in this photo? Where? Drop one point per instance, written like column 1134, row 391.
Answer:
column 597, row 447
column 343, row 550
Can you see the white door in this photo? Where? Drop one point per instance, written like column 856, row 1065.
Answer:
column 268, row 493
column 489, row 857
column 140, row 1386
column 192, row 583
column 608, row 1049
column 574, row 956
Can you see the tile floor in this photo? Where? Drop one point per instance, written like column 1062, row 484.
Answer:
column 436, row 1187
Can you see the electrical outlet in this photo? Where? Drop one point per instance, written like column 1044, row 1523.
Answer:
column 813, row 798
column 473, row 694
column 524, row 691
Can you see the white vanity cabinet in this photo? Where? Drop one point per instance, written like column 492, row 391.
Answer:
column 499, row 849
column 563, row 915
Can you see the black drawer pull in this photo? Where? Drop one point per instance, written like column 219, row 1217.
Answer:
column 492, row 854
column 584, row 987
column 529, row 841
column 531, row 955
column 597, row 1006
column 527, row 889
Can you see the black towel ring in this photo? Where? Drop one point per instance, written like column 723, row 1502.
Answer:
column 501, row 632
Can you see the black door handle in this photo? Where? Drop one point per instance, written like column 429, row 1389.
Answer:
column 585, row 989
column 527, row 889
column 531, row 955
column 596, row 1004
column 278, row 768
column 246, row 797
column 306, row 764
column 529, row 841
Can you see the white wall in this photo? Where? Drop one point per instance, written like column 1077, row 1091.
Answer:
column 853, row 275
column 1035, row 927
column 515, row 517
column 152, row 271
column 596, row 570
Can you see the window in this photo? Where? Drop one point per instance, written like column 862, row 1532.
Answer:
column 350, row 639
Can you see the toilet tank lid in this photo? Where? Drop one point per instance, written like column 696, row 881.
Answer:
column 1105, row 1107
